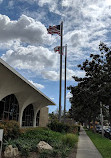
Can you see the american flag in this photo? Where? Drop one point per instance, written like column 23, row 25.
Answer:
column 54, row 30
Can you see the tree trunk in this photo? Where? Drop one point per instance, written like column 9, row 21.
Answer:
column 89, row 123
column 94, row 129
column 110, row 114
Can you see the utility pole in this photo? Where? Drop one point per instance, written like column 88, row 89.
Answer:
column 101, row 113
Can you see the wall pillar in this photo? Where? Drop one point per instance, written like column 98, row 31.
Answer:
column 34, row 120
column 20, row 116
column 43, row 117
column 35, row 115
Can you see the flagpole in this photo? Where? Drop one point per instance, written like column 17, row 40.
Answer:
column 60, row 84
column 65, row 83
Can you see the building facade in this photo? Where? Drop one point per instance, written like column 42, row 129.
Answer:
column 20, row 100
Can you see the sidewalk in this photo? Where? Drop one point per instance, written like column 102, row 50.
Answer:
column 86, row 148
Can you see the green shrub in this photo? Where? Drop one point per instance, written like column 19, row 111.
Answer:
column 61, row 127
column 25, row 149
column 11, row 129
column 70, row 139
column 74, row 129
column 58, row 127
column 65, row 152
column 45, row 154
column 24, row 145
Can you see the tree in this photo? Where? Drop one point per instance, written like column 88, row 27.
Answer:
column 53, row 116
column 95, row 87
column 84, row 105
column 106, row 89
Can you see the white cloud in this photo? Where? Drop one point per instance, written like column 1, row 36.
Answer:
column 11, row 3
column 36, row 15
column 29, row 1
column 54, row 75
column 76, row 38
column 67, row 3
column 42, row 2
column 52, row 98
column 39, row 86
column 26, row 30
column 69, row 95
column 1, row 1
column 51, row 75
column 86, row 23
column 53, row 5
column 32, row 58
column 71, row 73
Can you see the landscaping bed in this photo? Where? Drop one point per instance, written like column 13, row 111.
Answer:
column 27, row 140
column 102, row 144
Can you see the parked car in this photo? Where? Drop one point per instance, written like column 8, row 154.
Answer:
column 107, row 133
column 98, row 128
column 104, row 128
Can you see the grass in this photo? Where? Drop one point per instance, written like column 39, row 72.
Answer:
column 62, row 143
column 102, row 144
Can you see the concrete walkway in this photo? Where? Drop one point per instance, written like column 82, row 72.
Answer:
column 86, row 148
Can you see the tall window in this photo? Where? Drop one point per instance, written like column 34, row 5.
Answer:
column 37, row 118
column 28, row 116
column 9, row 108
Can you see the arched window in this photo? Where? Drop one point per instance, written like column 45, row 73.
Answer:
column 28, row 116
column 9, row 108
column 37, row 118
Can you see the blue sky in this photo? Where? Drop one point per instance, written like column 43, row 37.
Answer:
column 26, row 46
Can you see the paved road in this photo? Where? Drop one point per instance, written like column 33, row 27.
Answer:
column 86, row 148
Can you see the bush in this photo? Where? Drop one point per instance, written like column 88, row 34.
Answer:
column 74, row 129
column 70, row 139
column 11, row 129
column 58, row 127
column 61, row 127
column 46, row 154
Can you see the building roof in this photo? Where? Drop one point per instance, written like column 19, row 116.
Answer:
column 26, row 81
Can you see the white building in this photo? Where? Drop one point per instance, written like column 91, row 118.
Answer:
column 20, row 100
